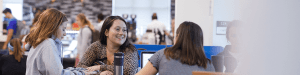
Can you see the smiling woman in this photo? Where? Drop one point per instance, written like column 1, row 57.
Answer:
column 113, row 38
column 44, row 57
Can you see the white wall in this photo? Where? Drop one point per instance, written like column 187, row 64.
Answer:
column 2, row 38
column 1, row 19
column 199, row 12
column 224, row 10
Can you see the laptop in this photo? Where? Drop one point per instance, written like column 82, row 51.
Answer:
column 145, row 56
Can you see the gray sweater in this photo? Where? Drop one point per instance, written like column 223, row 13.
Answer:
column 175, row 67
column 45, row 59
column 84, row 40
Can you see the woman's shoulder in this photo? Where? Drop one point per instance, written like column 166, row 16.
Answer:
column 161, row 51
column 6, row 57
column 24, row 56
column 48, row 41
column 97, row 44
column 131, row 49
column 46, row 44
column 86, row 29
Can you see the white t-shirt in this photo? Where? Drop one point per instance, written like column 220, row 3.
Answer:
column 154, row 25
column 99, row 26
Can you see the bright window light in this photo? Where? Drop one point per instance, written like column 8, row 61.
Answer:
column 16, row 9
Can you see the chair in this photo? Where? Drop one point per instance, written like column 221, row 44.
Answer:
column 209, row 73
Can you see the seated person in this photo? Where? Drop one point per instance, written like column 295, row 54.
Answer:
column 113, row 38
column 15, row 62
column 185, row 56
column 231, row 52
column 44, row 57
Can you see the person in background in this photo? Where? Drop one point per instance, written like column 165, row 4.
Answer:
column 185, row 56
column 170, row 37
column 113, row 38
column 35, row 19
column 132, row 29
column 11, row 26
column 45, row 55
column 101, row 21
column 84, row 37
column 158, row 28
column 15, row 62
column 25, row 30
column 231, row 52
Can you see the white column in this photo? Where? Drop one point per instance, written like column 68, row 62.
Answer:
column 199, row 12
column 2, row 37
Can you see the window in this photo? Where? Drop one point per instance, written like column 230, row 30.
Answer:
column 144, row 10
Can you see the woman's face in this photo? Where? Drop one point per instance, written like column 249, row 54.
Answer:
column 233, row 37
column 61, row 31
column 78, row 21
column 117, row 33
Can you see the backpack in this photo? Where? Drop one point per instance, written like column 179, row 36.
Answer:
column 95, row 35
column 20, row 26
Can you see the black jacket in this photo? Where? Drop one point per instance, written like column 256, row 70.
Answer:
column 230, row 62
column 10, row 66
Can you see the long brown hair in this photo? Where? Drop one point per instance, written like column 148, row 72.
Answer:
column 46, row 26
column 189, row 46
column 106, row 26
column 36, row 17
column 85, row 21
column 17, row 52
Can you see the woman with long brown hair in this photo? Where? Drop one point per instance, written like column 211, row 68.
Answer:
column 185, row 56
column 44, row 57
column 15, row 62
column 84, row 37
column 113, row 39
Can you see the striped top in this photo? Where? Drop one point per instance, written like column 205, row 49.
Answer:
column 98, row 51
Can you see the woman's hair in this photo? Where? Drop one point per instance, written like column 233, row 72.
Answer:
column 106, row 26
column 46, row 26
column 85, row 21
column 17, row 50
column 36, row 17
column 234, row 23
column 189, row 46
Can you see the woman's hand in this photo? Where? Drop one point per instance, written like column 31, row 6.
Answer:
column 106, row 73
column 93, row 68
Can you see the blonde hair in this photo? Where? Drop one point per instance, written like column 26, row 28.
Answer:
column 85, row 21
column 46, row 26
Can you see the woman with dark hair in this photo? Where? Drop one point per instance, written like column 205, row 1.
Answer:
column 113, row 38
column 185, row 56
column 44, row 57
column 231, row 52
column 15, row 62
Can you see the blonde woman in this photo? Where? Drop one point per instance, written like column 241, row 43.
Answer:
column 85, row 35
column 44, row 57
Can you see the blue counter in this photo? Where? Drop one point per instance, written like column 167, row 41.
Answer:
column 209, row 50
